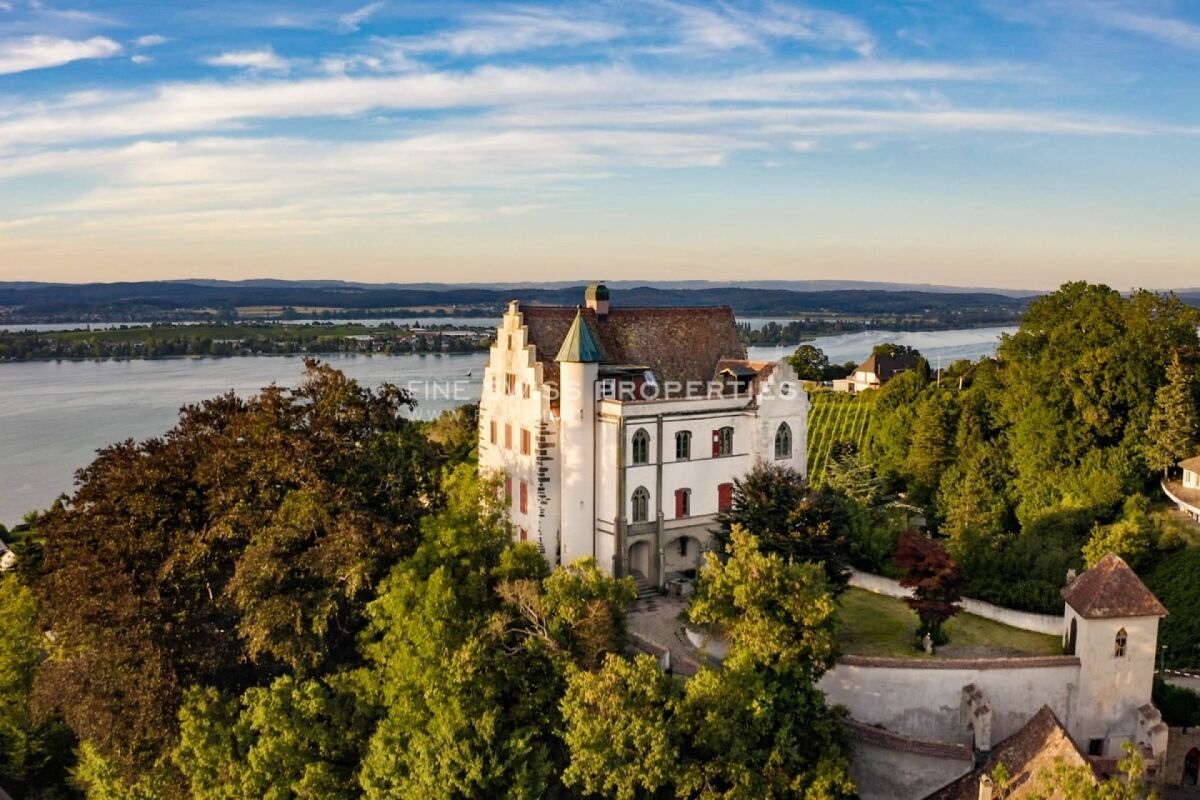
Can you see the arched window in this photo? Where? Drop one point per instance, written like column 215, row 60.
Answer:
column 641, row 504
column 1122, row 640
column 783, row 441
column 683, row 445
column 722, row 442
column 1191, row 768
column 641, row 447
column 1071, row 637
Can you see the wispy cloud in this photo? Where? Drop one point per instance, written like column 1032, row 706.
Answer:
column 728, row 26
column 1168, row 30
column 351, row 22
column 150, row 40
column 40, row 52
column 516, row 30
column 263, row 59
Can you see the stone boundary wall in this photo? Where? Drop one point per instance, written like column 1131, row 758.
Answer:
column 923, row 698
column 1026, row 621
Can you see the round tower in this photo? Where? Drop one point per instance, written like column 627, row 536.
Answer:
column 578, row 368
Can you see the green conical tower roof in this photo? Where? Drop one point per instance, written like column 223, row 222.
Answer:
column 579, row 345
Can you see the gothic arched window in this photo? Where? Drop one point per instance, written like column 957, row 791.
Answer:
column 783, row 441
column 683, row 445
column 1122, row 640
column 641, row 504
column 641, row 447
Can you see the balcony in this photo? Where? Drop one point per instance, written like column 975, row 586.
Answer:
column 1187, row 499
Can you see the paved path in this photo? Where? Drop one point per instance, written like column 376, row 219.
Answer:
column 657, row 620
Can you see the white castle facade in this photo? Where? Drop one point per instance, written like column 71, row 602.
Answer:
column 619, row 432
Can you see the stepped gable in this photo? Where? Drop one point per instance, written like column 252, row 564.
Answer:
column 1111, row 589
column 1041, row 743
column 677, row 344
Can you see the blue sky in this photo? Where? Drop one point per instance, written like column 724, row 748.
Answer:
column 1014, row 143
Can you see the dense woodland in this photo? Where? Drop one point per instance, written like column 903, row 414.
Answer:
column 306, row 594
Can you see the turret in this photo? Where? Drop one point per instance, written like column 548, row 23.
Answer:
column 578, row 368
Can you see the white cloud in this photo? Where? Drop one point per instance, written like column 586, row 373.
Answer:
column 729, row 27
column 263, row 59
column 141, row 59
column 1171, row 31
column 350, row 23
column 513, row 31
column 40, row 52
column 5, row 6
column 150, row 40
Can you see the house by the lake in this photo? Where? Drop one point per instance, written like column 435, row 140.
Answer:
column 617, row 432
column 876, row 371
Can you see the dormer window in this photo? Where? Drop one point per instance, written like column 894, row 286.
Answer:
column 641, row 447
column 1122, row 641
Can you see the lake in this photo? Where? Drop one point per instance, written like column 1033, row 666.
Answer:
column 54, row 415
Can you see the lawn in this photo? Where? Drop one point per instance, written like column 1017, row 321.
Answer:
column 875, row 625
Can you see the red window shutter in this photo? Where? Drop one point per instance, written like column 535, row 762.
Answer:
column 716, row 443
column 524, row 497
column 725, row 497
column 524, row 534
column 507, row 436
column 679, row 500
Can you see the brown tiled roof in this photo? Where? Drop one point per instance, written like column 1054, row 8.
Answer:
column 1111, row 589
column 1190, row 464
column 879, row 737
column 1042, row 742
column 886, row 366
column 678, row 344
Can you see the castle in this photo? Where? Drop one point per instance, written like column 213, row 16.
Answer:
column 619, row 431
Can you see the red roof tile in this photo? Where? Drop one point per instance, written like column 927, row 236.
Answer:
column 1111, row 589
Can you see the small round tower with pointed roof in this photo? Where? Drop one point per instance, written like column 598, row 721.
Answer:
column 578, row 369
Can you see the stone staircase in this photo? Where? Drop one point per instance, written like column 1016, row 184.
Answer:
column 645, row 589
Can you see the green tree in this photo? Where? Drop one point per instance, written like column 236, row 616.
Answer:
column 1134, row 537
column 809, row 362
column 469, row 646
column 1063, row 782
column 931, row 446
column 1171, row 435
column 775, row 504
column 292, row 739
column 35, row 755
column 759, row 727
column 622, row 730
column 892, row 349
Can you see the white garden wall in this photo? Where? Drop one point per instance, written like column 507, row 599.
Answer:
column 1026, row 621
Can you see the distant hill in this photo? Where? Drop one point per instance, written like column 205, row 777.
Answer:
column 151, row 298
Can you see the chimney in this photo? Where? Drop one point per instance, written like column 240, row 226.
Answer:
column 987, row 788
column 596, row 297
column 1071, row 576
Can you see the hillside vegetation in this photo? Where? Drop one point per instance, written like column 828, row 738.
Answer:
column 836, row 417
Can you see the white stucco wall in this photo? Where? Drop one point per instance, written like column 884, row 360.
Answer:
column 512, row 354
column 1038, row 623
column 924, row 698
column 1111, row 688
column 1191, row 480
